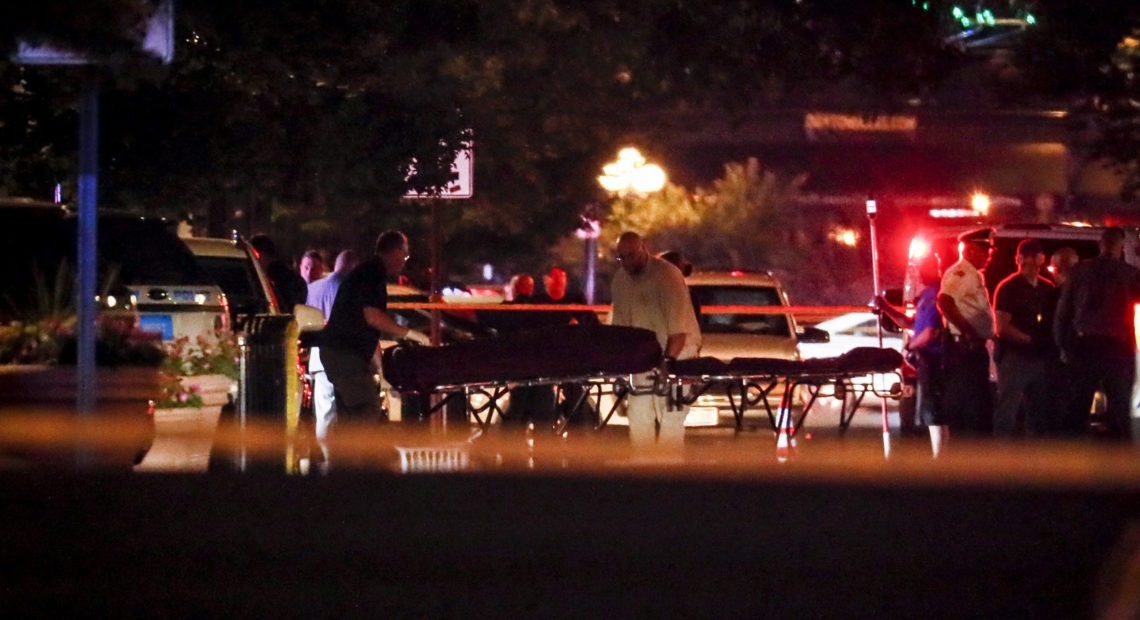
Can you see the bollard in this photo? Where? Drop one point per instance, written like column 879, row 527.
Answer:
column 243, row 398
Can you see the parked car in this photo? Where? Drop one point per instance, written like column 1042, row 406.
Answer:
column 846, row 332
column 741, row 334
column 139, row 260
column 38, row 250
column 176, row 312
column 231, row 264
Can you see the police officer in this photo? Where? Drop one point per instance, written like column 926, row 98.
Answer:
column 965, row 306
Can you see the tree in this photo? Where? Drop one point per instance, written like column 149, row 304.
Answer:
column 305, row 116
column 750, row 219
column 1080, row 56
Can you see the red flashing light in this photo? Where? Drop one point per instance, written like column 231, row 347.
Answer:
column 736, row 273
column 981, row 203
column 919, row 248
column 1136, row 324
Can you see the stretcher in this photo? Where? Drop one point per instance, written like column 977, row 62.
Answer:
column 598, row 359
column 592, row 361
column 750, row 381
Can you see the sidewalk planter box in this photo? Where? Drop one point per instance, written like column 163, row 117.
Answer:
column 39, row 422
column 186, row 434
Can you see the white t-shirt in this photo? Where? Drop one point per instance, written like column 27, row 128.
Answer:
column 965, row 284
column 657, row 299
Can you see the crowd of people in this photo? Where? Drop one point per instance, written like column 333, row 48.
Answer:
column 1054, row 342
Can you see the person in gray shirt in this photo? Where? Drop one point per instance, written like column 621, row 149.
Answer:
column 322, row 294
column 1095, row 331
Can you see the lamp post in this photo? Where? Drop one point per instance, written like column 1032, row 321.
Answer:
column 589, row 229
column 629, row 175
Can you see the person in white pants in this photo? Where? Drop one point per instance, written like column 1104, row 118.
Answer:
column 322, row 294
column 651, row 293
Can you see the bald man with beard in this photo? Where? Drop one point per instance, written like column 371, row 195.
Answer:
column 651, row 293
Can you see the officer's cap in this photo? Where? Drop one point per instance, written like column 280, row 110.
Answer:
column 982, row 236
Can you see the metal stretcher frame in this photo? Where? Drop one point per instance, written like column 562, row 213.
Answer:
column 748, row 389
column 598, row 358
column 617, row 385
column 745, row 392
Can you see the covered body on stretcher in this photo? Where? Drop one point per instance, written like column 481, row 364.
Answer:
column 602, row 359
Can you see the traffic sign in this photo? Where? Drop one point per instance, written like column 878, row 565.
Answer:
column 155, row 33
column 462, row 186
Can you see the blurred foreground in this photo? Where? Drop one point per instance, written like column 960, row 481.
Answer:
column 545, row 526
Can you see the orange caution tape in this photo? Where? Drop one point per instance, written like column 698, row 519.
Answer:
column 602, row 309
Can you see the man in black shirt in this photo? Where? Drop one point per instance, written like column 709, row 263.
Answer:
column 1023, row 312
column 1094, row 328
column 358, row 317
column 288, row 286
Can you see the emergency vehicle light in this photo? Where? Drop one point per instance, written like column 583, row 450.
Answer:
column 919, row 248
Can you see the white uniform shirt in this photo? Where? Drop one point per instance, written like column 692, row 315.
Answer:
column 965, row 284
column 657, row 299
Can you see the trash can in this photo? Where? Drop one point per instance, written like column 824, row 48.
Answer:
column 266, row 396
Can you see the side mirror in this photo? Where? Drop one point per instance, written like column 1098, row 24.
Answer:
column 308, row 318
column 814, row 335
column 888, row 324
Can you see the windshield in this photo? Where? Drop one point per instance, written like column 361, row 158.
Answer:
column 239, row 282
column 757, row 324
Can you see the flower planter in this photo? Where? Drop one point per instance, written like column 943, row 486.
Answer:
column 214, row 389
column 185, row 435
column 38, row 418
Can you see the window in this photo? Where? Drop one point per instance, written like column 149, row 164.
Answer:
column 756, row 324
column 238, row 280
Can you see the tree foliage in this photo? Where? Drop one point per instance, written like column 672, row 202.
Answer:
column 1079, row 54
column 302, row 116
column 741, row 222
column 750, row 219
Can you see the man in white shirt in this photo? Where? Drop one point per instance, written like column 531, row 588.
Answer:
column 651, row 293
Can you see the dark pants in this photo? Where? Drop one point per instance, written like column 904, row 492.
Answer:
column 967, row 401
column 1023, row 396
column 531, row 403
column 357, row 395
column 1108, row 364
column 585, row 414
column 928, row 392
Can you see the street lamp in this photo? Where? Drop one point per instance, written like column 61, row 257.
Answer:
column 629, row 175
